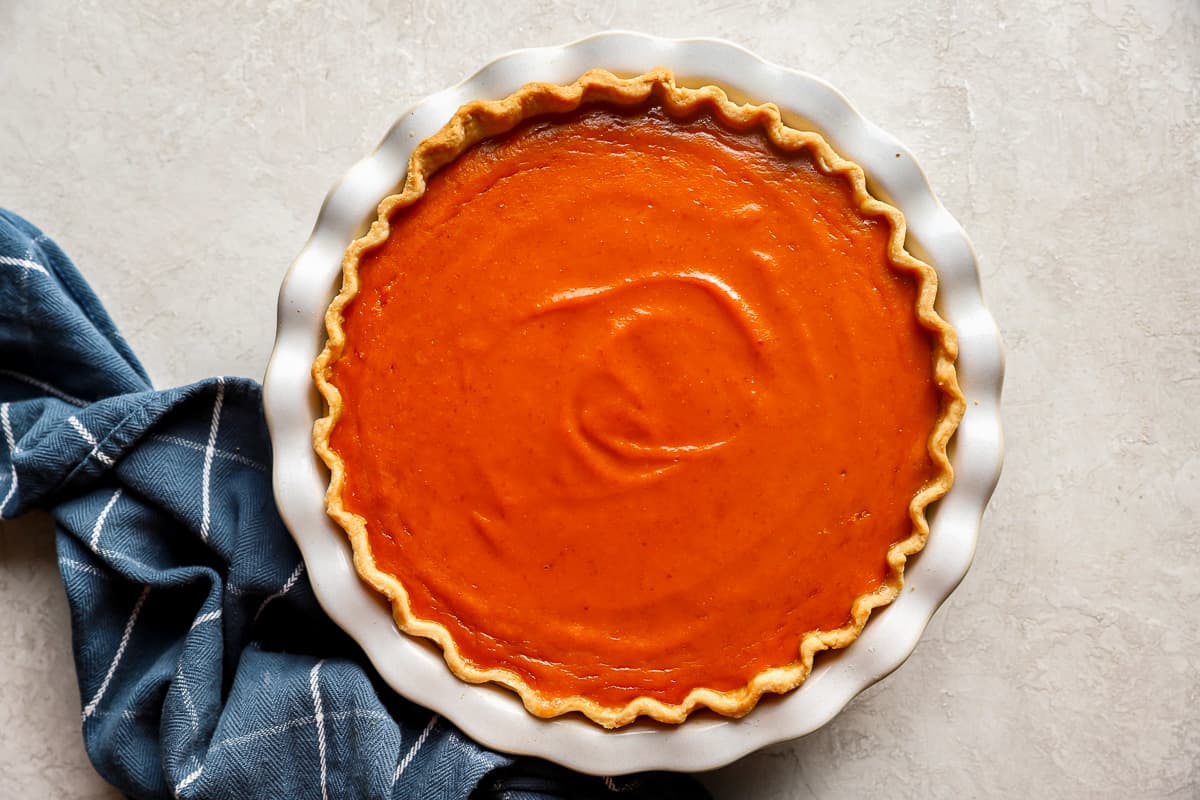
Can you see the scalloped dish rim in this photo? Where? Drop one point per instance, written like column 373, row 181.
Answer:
column 482, row 119
column 493, row 716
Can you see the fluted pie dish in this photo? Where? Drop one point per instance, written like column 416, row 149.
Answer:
column 634, row 400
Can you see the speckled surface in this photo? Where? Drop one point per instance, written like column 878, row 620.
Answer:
column 180, row 154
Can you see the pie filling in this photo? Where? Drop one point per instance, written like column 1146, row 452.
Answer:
column 632, row 403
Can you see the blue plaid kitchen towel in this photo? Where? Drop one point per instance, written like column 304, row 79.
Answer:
column 206, row 668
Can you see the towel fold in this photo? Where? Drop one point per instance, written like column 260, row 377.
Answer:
column 206, row 667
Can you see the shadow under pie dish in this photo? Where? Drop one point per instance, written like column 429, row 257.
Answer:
column 635, row 400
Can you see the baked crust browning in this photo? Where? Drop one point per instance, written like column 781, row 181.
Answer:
column 481, row 120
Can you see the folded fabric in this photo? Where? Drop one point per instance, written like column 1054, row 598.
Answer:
column 206, row 667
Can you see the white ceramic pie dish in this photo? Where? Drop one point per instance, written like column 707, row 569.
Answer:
column 494, row 716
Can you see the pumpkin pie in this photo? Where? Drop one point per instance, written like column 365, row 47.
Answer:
column 635, row 399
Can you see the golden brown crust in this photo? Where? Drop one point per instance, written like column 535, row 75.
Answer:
column 483, row 119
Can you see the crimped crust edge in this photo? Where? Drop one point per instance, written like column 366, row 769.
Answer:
column 483, row 119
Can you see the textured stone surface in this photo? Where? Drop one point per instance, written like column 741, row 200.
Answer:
column 180, row 154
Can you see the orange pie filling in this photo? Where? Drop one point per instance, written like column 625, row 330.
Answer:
column 634, row 400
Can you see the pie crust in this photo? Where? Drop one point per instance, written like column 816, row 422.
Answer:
column 482, row 120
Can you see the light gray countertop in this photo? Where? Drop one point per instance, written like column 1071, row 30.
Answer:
column 179, row 154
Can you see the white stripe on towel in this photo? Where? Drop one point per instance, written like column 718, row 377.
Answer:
column 412, row 752
column 319, row 718
column 25, row 263
column 208, row 458
column 90, row 708
column 87, row 436
column 94, row 542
